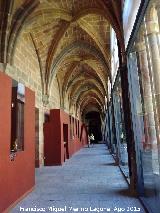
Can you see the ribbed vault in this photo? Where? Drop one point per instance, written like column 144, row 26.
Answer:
column 72, row 42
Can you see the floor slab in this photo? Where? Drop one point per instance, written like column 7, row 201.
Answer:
column 88, row 182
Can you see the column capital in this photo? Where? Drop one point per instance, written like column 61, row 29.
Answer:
column 152, row 27
column 45, row 99
column 140, row 46
column 3, row 67
column 157, row 4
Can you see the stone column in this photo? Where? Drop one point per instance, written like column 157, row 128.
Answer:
column 158, row 14
column 147, row 95
column 158, row 11
column 154, row 63
column 41, row 136
column 149, row 114
column 153, row 54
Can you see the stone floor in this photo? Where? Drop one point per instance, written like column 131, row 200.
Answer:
column 88, row 182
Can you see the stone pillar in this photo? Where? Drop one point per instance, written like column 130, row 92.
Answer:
column 158, row 11
column 154, row 63
column 153, row 54
column 113, row 135
column 147, row 95
column 149, row 114
column 158, row 14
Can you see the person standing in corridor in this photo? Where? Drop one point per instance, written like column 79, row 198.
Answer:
column 92, row 139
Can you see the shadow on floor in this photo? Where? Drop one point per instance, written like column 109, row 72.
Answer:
column 125, row 193
column 108, row 164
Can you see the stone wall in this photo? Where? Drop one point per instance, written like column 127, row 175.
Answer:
column 25, row 69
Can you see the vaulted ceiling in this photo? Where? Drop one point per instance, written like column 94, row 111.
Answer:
column 71, row 40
